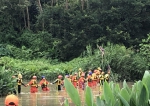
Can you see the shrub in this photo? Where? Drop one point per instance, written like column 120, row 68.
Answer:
column 7, row 83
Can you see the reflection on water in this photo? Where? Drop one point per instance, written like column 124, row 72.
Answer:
column 50, row 98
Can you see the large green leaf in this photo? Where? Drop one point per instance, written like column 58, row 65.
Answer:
column 133, row 95
column 124, row 102
column 146, row 74
column 125, row 85
column 116, row 91
column 88, row 96
column 99, row 102
column 117, row 88
column 108, row 95
column 144, row 96
column 124, row 93
column 146, row 80
column 112, row 86
column 72, row 92
column 138, row 87
column 117, row 102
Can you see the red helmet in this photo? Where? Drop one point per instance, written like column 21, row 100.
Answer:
column 34, row 77
column 82, row 75
column 60, row 76
column 108, row 72
column 13, row 76
column 95, row 71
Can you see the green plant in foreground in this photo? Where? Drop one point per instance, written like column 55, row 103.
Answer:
column 7, row 83
column 113, row 95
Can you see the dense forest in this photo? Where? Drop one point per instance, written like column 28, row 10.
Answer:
column 54, row 36
column 56, row 29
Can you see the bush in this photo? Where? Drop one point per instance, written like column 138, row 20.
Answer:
column 7, row 83
column 124, row 64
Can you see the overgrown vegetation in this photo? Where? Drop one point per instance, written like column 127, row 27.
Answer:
column 58, row 29
column 7, row 83
column 125, row 64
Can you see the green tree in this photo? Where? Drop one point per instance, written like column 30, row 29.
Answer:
column 145, row 49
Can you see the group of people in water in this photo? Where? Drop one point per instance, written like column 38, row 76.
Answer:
column 33, row 83
column 92, row 79
column 79, row 79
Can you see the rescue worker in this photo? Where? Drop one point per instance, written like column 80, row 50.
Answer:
column 99, row 69
column 107, row 76
column 59, row 82
column 94, row 77
column 80, row 72
column 101, row 78
column 19, row 83
column 44, row 84
column 74, row 80
column 89, row 71
column 68, row 77
column 33, row 85
column 89, row 79
column 82, row 81
column 98, row 76
column 11, row 100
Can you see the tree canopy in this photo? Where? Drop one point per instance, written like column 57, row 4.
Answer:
column 62, row 29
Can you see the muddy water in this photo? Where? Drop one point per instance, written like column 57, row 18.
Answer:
column 50, row 98
column 41, row 98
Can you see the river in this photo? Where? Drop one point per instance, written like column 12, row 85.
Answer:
column 50, row 98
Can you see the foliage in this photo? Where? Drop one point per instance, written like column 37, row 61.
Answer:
column 124, row 64
column 7, row 83
column 145, row 47
column 113, row 95
column 62, row 29
column 4, row 50
column 20, row 53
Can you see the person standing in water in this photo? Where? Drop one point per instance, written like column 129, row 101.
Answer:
column 80, row 72
column 44, row 84
column 82, row 81
column 74, row 80
column 89, row 79
column 59, row 82
column 33, row 85
column 19, row 83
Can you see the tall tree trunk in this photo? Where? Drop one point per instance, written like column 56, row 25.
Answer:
column 41, row 10
column 56, row 2
column 82, row 4
column 40, row 6
column 28, row 17
column 52, row 2
column 24, row 18
column 87, row 4
column 66, row 4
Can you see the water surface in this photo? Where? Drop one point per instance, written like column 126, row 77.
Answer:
column 50, row 98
